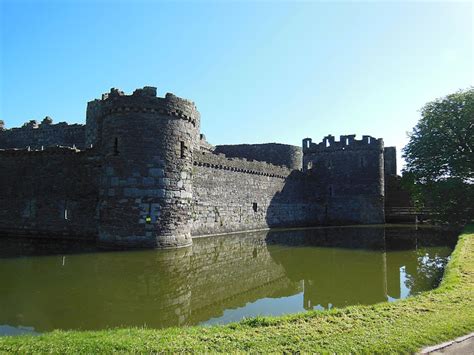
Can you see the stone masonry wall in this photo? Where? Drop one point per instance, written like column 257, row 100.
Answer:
column 45, row 134
column 274, row 153
column 147, row 143
column 390, row 160
column 235, row 194
column 350, row 173
column 50, row 193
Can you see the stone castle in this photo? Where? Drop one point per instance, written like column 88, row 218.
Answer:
column 139, row 174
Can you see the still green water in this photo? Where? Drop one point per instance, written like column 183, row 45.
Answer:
column 217, row 280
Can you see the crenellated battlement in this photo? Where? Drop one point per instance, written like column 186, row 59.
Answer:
column 346, row 142
column 145, row 100
column 45, row 124
column 37, row 134
column 274, row 153
column 242, row 165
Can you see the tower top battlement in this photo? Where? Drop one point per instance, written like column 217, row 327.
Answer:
column 346, row 142
column 146, row 100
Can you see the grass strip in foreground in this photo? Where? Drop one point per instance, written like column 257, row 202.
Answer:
column 403, row 326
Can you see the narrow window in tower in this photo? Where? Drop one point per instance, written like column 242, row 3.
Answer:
column 116, row 152
column 64, row 210
column 330, row 191
column 254, row 206
column 182, row 148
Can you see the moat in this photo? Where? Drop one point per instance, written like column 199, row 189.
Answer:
column 217, row 280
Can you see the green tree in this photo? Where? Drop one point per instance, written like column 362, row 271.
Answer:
column 439, row 157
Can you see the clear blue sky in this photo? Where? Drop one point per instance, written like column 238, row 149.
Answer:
column 259, row 71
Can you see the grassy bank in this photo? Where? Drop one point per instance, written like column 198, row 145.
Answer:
column 402, row 326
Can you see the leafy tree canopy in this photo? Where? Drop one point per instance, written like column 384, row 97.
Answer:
column 442, row 143
column 440, row 159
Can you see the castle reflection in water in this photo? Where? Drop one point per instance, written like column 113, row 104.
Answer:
column 327, row 267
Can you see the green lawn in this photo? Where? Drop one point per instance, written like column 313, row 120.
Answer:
column 403, row 326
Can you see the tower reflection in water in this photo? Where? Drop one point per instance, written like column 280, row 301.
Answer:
column 220, row 279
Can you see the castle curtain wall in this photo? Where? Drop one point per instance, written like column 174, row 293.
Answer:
column 235, row 195
column 228, row 201
column 275, row 153
column 43, row 135
column 51, row 193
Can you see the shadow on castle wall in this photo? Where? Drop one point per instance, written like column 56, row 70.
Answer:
column 344, row 185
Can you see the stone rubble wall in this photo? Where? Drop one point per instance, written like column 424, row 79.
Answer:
column 235, row 194
column 146, row 190
column 346, row 142
column 39, row 186
column 350, row 173
column 141, row 101
column 221, row 161
column 35, row 136
column 274, row 153
column 204, row 145
column 390, row 160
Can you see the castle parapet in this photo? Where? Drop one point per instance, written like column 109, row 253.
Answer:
column 45, row 134
column 273, row 153
column 221, row 161
column 145, row 100
column 350, row 174
column 345, row 142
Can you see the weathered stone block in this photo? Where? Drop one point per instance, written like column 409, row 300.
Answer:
column 156, row 172
column 148, row 181
column 114, row 181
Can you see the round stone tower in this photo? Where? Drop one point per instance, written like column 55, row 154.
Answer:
column 147, row 144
